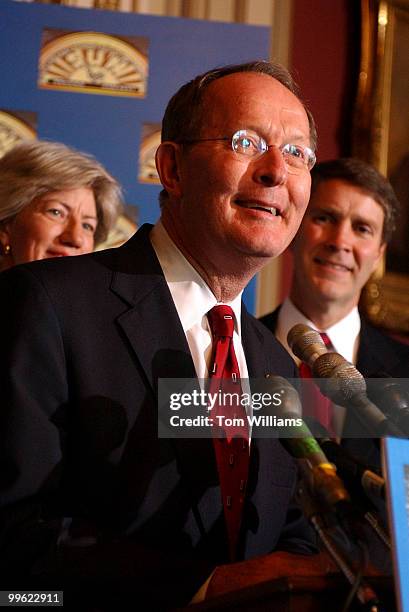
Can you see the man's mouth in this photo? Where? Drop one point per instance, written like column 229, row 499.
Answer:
column 332, row 264
column 272, row 210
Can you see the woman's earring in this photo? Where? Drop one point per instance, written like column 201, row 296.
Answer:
column 7, row 249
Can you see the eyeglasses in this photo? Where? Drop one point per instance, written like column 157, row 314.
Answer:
column 246, row 142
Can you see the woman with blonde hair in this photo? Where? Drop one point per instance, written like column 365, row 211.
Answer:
column 54, row 201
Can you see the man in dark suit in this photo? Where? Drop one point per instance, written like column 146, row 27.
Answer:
column 92, row 499
column 349, row 220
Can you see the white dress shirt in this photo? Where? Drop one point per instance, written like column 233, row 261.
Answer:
column 344, row 335
column 193, row 300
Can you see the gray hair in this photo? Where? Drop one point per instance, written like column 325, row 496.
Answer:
column 34, row 168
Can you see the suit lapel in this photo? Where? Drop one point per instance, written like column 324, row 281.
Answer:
column 151, row 325
column 375, row 354
column 270, row 320
column 253, row 346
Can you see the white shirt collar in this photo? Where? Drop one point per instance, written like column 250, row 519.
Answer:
column 192, row 296
column 344, row 334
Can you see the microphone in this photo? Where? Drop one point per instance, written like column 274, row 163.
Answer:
column 300, row 443
column 306, row 343
column 356, row 474
column 346, row 386
column 392, row 399
column 320, row 480
column 363, row 482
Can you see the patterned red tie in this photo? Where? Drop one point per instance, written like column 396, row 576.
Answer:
column 314, row 403
column 230, row 443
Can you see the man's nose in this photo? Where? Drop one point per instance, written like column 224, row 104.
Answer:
column 270, row 168
column 73, row 234
column 340, row 237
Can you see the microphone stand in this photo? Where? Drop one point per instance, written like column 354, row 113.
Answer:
column 378, row 528
column 363, row 591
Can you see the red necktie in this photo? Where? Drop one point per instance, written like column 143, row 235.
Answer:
column 231, row 443
column 314, row 403
column 326, row 340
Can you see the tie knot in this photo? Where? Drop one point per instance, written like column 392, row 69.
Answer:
column 221, row 321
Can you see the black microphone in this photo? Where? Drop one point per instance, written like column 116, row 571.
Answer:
column 306, row 343
column 353, row 471
column 356, row 474
column 391, row 398
column 346, row 386
column 364, row 482
column 300, row 443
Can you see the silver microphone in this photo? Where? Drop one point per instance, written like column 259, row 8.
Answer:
column 345, row 385
column 306, row 343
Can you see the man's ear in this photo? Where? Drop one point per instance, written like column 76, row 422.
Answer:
column 167, row 161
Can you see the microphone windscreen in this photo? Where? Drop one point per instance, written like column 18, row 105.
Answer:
column 344, row 380
column 325, row 365
column 305, row 343
column 296, row 331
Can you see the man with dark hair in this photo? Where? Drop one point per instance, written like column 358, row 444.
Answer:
column 92, row 499
column 349, row 220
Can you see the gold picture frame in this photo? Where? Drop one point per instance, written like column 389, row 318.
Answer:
column 381, row 137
